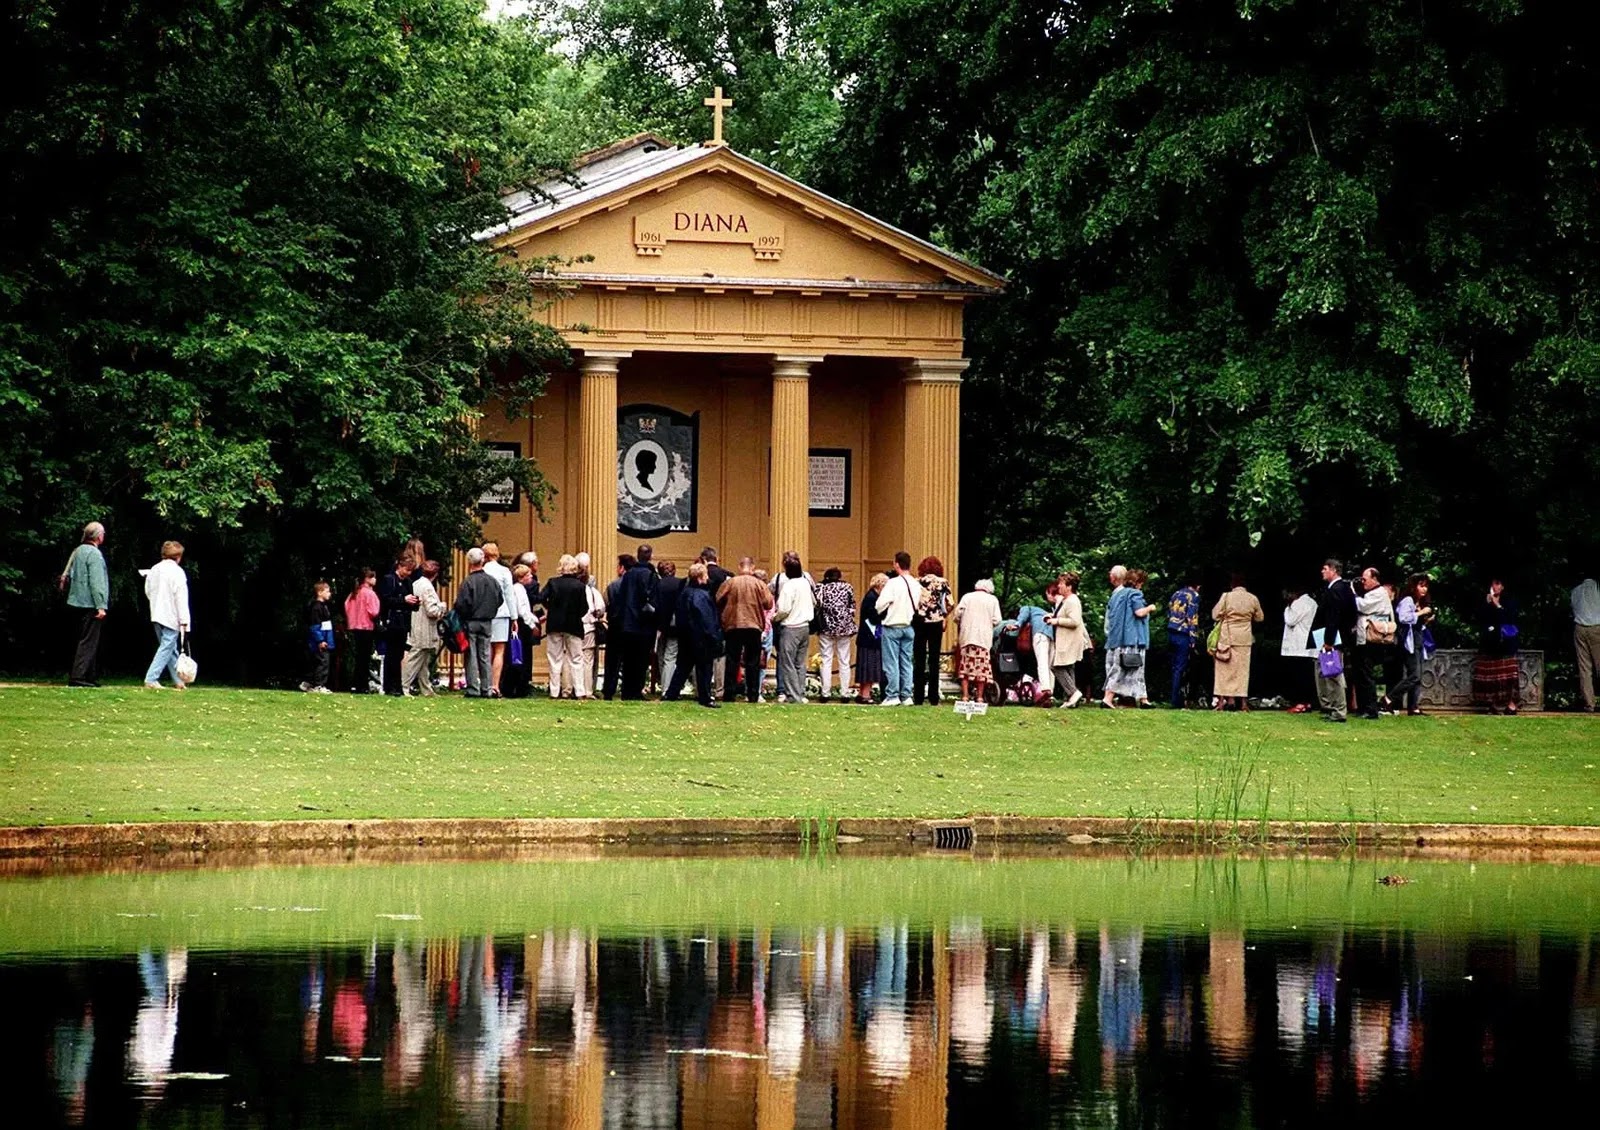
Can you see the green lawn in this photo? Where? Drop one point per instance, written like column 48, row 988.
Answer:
column 115, row 754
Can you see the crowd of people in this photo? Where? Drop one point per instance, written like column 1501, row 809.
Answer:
column 1348, row 646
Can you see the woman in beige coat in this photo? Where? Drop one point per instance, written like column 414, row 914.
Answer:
column 1236, row 614
column 1071, row 641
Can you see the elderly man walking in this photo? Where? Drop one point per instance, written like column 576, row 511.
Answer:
column 477, row 601
column 89, row 594
column 1586, row 638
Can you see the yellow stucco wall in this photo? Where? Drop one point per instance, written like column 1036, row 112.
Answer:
column 856, row 404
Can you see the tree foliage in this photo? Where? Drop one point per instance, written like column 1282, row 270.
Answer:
column 659, row 59
column 1289, row 278
column 242, row 305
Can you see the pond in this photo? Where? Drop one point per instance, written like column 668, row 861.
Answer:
column 618, row 990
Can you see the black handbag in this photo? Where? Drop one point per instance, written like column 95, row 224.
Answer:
column 1131, row 660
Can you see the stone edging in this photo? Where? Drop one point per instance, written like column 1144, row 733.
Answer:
column 124, row 839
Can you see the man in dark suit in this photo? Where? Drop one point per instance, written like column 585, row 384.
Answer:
column 614, row 628
column 1336, row 618
column 666, row 619
column 716, row 577
column 639, row 597
column 395, row 601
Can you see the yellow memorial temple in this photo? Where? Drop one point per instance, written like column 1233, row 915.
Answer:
column 757, row 367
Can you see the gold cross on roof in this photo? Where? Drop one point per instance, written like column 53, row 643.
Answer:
column 717, row 103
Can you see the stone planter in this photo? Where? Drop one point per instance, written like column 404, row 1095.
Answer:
column 1447, row 680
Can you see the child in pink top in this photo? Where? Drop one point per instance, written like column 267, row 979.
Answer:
column 359, row 609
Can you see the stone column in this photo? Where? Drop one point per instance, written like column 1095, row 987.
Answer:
column 933, row 461
column 597, row 457
column 791, row 442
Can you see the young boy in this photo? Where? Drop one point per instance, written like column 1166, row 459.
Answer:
column 319, row 640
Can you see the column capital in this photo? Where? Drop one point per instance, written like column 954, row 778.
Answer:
column 793, row 367
column 935, row 370
column 602, row 361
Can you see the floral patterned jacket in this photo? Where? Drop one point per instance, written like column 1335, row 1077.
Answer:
column 838, row 602
column 935, row 604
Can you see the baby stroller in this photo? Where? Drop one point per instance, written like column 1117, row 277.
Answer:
column 1016, row 679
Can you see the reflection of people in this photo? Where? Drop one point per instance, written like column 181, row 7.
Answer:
column 645, row 464
column 155, row 1027
column 71, row 1054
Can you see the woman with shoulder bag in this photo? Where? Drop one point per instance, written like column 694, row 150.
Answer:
column 927, row 641
column 1413, row 614
column 1127, row 641
column 1236, row 615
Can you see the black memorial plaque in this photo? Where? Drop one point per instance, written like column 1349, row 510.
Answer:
column 658, row 456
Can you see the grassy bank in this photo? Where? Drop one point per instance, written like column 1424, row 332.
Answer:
column 116, row 755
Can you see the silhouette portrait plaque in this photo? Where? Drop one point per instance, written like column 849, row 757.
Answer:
column 658, row 456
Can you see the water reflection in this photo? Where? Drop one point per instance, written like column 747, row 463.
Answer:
column 964, row 1023
column 155, row 1025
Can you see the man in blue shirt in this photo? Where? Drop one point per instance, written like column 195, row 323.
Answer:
column 1183, row 634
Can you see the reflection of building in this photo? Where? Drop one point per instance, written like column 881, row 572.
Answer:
column 1226, row 1023
column 563, row 1082
column 889, row 1026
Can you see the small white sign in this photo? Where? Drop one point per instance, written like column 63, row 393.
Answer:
column 971, row 708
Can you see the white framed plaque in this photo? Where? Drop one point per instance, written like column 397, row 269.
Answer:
column 502, row 497
column 828, row 482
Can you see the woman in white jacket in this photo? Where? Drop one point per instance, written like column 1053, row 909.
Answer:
column 167, row 587
column 1299, row 656
column 422, row 642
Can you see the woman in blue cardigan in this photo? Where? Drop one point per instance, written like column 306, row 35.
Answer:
column 1127, row 641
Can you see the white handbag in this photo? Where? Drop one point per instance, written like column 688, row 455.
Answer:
column 188, row 669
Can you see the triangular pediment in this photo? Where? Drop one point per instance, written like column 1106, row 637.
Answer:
column 643, row 210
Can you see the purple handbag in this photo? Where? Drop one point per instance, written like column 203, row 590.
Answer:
column 1330, row 664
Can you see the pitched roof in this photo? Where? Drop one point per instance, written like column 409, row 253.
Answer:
column 623, row 167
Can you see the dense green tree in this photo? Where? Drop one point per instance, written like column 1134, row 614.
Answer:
column 659, row 59
column 240, row 302
column 1288, row 277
